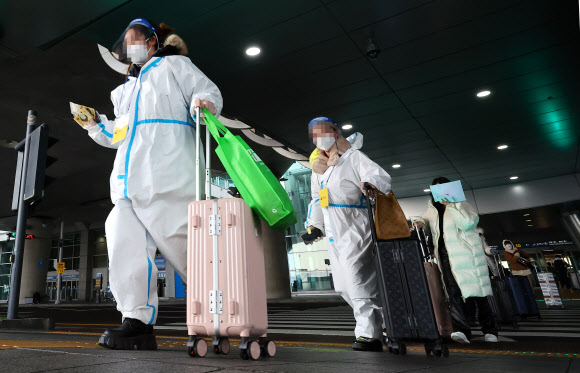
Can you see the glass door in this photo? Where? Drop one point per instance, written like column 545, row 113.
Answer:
column 51, row 290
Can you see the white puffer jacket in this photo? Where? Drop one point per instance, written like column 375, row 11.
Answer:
column 466, row 254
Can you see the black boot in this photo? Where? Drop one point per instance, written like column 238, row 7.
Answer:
column 132, row 335
column 367, row 344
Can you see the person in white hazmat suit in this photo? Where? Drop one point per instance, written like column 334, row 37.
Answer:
column 153, row 178
column 339, row 210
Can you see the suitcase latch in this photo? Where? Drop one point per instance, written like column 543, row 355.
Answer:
column 216, row 305
column 215, row 225
column 412, row 321
column 396, row 255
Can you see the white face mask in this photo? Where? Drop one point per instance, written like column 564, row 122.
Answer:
column 509, row 247
column 325, row 142
column 138, row 53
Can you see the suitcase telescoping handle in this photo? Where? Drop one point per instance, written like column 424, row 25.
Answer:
column 422, row 237
column 197, row 158
column 371, row 217
column 499, row 266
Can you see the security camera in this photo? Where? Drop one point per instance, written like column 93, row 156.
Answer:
column 372, row 49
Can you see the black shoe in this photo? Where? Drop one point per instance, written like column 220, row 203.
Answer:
column 132, row 335
column 367, row 344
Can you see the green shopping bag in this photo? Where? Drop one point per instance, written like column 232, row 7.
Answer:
column 256, row 183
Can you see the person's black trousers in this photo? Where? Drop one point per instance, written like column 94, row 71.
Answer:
column 463, row 313
column 564, row 280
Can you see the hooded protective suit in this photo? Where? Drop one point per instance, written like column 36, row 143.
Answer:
column 153, row 178
column 346, row 225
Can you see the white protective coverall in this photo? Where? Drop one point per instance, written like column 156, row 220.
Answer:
column 153, row 178
column 346, row 225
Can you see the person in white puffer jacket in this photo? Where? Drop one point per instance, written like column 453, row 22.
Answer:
column 463, row 265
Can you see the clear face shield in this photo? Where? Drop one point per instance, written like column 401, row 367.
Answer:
column 132, row 45
column 322, row 132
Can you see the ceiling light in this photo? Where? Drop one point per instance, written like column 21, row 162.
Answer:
column 530, row 225
column 253, row 51
column 502, row 147
column 483, row 93
column 426, row 190
column 529, row 220
column 526, row 214
column 513, row 178
column 396, row 166
column 347, row 126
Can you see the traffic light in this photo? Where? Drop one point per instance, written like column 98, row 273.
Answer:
column 38, row 161
column 28, row 236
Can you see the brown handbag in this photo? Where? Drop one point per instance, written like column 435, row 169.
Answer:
column 390, row 220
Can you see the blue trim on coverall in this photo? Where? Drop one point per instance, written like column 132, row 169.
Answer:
column 149, row 270
column 135, row 120
column 108, row 134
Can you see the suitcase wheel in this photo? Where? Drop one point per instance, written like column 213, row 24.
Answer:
column 389, row 345
column 222, row 347
column 253, row 351
column 267, row 347
column 397, row 348
column 439, row 349
column 199, row 348
column 445, row 351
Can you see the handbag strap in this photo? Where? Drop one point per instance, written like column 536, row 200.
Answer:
column 386, row 194
column 379, row 192
column 216, row 128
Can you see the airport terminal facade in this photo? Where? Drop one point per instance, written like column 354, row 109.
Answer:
column 299, row 268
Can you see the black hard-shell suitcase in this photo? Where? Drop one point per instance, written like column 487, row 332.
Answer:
column 404, row 293
column 501, row 302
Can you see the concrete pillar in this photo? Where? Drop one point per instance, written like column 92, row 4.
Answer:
column 86, row 253
column 35, row 261
column 276, row 261
column 169, row 280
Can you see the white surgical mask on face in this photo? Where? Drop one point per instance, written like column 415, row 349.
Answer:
column 325, row 143
column 509, row 247
column 138, row 53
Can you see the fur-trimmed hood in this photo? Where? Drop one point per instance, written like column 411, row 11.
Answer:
column 513, row 250
column 174, row 45
column 175, row 41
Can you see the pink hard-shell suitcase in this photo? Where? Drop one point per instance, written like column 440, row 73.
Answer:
column 226, row 280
